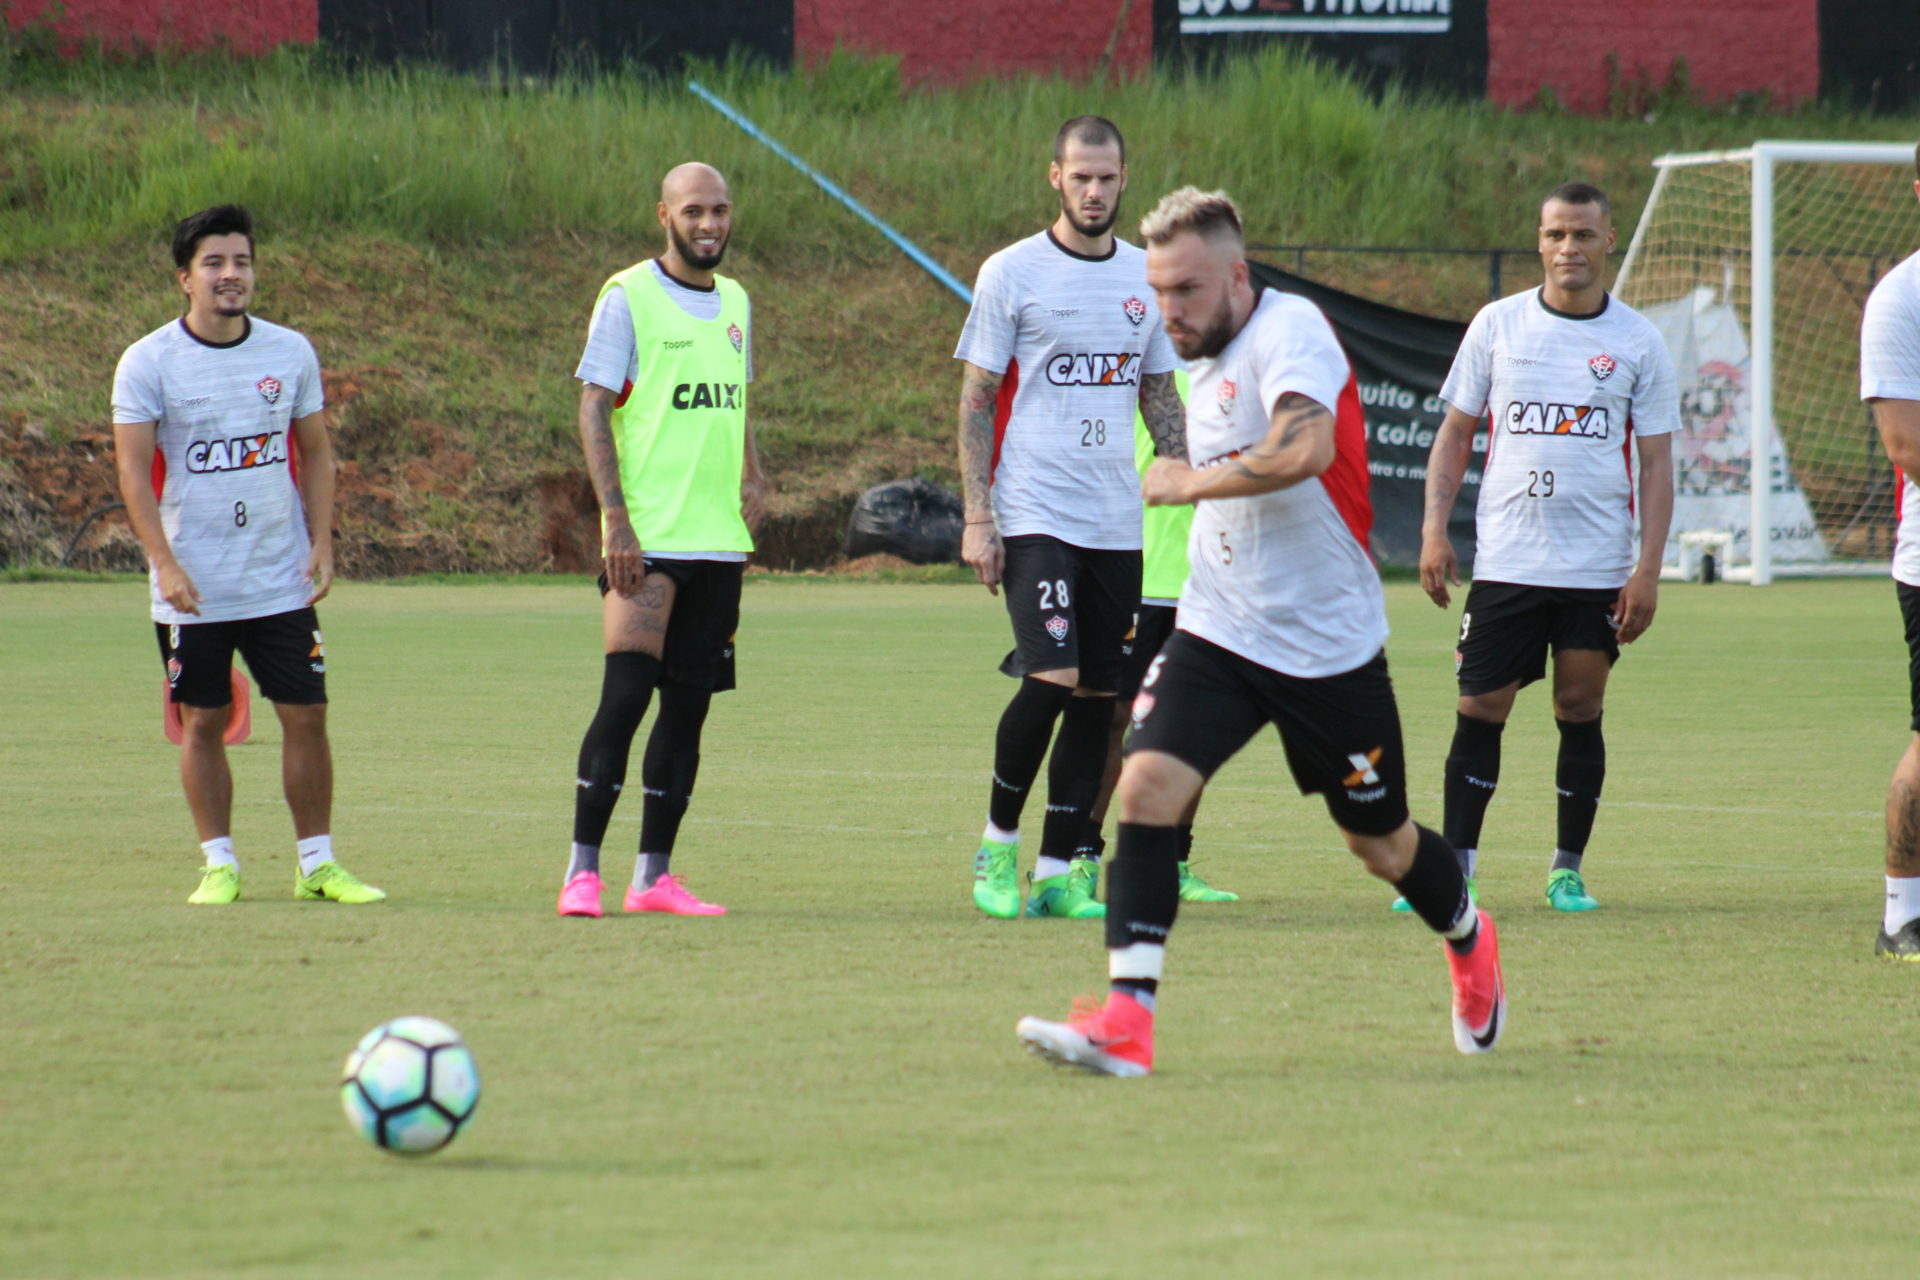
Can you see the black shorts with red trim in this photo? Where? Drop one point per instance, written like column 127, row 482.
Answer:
column 1201, row 703
column 1507, row 629
column 284, row 651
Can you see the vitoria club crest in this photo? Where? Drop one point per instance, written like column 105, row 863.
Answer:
column 1057, row 627
column 269, row 388
column 735, row 336
column 1227, row 394
column 1603, row 366
column 1136, row 310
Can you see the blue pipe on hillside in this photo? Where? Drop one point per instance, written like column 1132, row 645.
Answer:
column 905, row 245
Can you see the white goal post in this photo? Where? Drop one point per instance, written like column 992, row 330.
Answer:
column 1755, row 264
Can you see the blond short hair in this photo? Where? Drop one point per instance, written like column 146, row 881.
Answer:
column 1204, row 213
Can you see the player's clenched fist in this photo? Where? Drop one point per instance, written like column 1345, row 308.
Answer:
column 984, row 553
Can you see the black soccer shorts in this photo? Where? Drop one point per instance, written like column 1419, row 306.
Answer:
column 1201, row 703
column 1071, row 607
column 1910, row 615
column 698, row 650
column 1152, row 628
column 1507, row 630
column 284, row 651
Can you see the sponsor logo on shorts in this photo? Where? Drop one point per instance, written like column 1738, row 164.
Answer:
column 1142, row 707
column 1603, row 366
column 1057, row 627
column 319, row 646
column 1459, row 661
column 1531, row 418
column 205, row 457
column 173, row 672
column 1136, row 311
column 1364, row 776
column 737, row 338
column 1098, row 369
column 1228, row 393
column 269, row 389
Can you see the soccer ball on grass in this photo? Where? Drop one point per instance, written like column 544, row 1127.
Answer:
column 410, row 1085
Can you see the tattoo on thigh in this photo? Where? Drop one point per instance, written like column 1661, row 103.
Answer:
column 1903, row 828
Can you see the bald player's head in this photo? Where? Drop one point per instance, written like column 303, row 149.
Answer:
column 697, row 211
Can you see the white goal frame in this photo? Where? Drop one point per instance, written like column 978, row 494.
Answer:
column 1763, row 156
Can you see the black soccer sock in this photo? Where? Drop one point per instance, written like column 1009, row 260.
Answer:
column 667, row 773
column 1472, row 773
column 1143, row 885
column 1434, row 886
column 625, row 690
column 1581, row 773
column 1026, row 729
column 1092, row 844
column 1186, row 842
column 1073, row 775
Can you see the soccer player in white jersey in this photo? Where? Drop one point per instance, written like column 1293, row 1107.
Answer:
column 663, row 422
column 1890, row 383
column 224, row 464
column 1061, row 347
column 1570, row 378
column 1282, row 622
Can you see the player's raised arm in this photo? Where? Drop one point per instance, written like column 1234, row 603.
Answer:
column 316, row 492
column 133, row 445
column 1298, row 446
column 1164, row 414
column 1446, row 468
column 980, row 544
column 622, row 546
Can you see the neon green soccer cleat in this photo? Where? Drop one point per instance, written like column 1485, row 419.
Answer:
column 1566, row 891
column 1194, row 889
column 996, row 887
column 219, row 885
column 1473, row 896
column 1068, row 896
column 335, row 883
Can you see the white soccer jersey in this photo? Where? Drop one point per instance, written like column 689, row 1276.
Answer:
column 1283, row 578
column 225, row 466
column 1073, row 335
column 1564, row 394
column 1890, row 370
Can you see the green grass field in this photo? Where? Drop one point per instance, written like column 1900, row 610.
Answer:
column 1709, row 1077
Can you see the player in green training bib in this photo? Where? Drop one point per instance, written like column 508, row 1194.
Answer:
column 663, row 420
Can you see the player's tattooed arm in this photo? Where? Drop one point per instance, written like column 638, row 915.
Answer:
column 1165, row 416
column 621, row 548
column 1298, row 446
column 980, row 544
column 1446, row 469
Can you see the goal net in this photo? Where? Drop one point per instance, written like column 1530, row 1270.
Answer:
column 1755, row 265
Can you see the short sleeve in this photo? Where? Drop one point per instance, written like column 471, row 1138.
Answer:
column 608, row 360
column 1160, row 356
column 1656, row 390
column 1890, row 339
column 313, row 392
column 1470, row 380
column 136, row 386
column 993, row 323
column 1298, row 352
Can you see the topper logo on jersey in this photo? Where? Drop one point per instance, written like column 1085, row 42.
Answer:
column 1228, row 393
column 707, row 395
column 238, row 454
column 1136, row 310
column 1530, row 418
column 269, row 388
column 1603, row 366
column 1098, row 370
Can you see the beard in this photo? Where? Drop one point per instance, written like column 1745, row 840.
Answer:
column 1092, row 230
column 693, row 257
column 1210, row 341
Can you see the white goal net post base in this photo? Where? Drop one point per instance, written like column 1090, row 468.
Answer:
column 1755, row 265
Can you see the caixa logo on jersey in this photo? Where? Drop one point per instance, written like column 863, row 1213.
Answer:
column 707, row 395
column 238, row 454
column 1120, row 369
column 1530, row 418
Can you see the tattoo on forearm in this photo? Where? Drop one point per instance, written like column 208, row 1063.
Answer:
column 979, row 396
column 603, row 460
column 1441, row 490
column 1165, row 416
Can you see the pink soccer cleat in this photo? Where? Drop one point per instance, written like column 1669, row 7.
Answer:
column 669, row 894
column 1479, row 992
column 581, row 897
column 1114, row 1039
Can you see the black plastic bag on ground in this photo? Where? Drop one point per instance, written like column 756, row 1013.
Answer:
column 914, row 519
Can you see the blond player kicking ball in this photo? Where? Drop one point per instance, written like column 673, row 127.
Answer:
column 227, row 473
column 1282, row 623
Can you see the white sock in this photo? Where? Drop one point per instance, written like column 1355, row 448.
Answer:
column 585, row 857
column 1000, row 835
column 648, row 868
column 1903, row 902
column 1141, row 961
column 219, row 852
column 1469, row 862
column 1048, row 867
column 314, row 850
